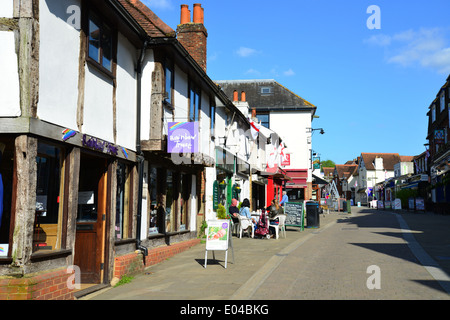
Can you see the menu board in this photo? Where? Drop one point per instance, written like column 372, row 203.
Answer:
column 294, row 214
column 217, row 234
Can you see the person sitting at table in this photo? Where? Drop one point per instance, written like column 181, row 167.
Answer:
column 234, row 211
column 274, row 209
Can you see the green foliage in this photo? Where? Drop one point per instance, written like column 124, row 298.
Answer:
column 123, row 280
column 221, row 212
column 405, row 194
column 327, row 164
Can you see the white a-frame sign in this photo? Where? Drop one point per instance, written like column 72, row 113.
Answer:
column 218, row 237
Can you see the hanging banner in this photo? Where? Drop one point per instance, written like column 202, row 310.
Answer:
column 182, row 137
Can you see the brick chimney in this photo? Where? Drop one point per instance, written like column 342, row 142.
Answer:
column 192, row 35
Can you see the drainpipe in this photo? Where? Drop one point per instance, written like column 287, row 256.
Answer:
column 140, row 155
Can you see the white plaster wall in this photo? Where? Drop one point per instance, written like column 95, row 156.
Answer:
column 6, row 8
column 98, row 107
column 58, row 64
column 204, row 126
column 9, row 77
column 146, row 91
column 193, row 213
column 126, row 93
column 291, row 127
column 210, row 177
column 181, row 101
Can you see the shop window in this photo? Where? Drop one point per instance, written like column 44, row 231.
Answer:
column 157, row 212
column 6, row 182
column 123, row 199
column 170, row 202
column 186, row 184
column 48, row 218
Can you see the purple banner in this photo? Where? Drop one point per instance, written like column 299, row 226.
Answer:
column 182, row 137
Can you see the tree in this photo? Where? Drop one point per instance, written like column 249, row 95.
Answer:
column 327, row 164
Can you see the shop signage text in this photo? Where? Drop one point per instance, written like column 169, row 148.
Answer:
column 99, row 145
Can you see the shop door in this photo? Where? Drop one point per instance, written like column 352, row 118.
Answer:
column 91, row 215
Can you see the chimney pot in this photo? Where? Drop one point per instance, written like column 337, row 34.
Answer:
column 243, row 96
column 235, row 95
column 185, row 14
column 198, row 13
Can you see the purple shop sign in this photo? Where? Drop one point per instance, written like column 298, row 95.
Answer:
column 182, row 137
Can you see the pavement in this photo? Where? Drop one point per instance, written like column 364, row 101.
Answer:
column 251, row 261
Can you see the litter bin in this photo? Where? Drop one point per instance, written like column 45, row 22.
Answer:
column 349, row 207
column 312, row 214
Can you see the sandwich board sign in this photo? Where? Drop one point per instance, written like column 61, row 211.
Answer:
column 218, row 237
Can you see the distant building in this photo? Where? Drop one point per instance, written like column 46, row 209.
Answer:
column 290, row 116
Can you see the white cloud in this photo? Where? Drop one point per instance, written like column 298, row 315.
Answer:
column 289, row 73
column 245, row 52
column 253, row 72
column 426, row 47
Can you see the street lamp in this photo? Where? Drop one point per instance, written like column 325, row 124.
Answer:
column 321, row 130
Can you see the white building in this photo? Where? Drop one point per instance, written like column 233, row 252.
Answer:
column 290, row 116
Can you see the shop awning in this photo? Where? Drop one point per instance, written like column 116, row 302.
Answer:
column 318, row 180
column 298, row 177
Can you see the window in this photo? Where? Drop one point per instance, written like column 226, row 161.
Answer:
column 123, row 195
column 157, row 213
column 264, row 118
column 100, row 47
column 212, row 116
column 48, row 217
column 433, row 114
column 169, row 81
column 266, row 90
column 6, row 192
column 170, row 202
column 194, row 104
column 442, row 101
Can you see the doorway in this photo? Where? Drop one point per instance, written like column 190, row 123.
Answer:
column 91, row 218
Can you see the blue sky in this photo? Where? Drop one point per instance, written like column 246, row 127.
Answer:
column 372, row 87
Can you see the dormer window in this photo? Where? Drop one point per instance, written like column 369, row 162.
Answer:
column 266, row 90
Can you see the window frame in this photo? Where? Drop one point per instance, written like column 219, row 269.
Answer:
column 61, row 203
column 103, row 23
column 169, row 96
column 195, row 104
column 125, row 227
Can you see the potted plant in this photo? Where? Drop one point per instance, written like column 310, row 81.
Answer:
column 221, row 212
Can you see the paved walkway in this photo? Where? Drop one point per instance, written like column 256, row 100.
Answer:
column 183, row 277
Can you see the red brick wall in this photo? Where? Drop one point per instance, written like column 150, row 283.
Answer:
column 133, row 262
column 193, row 38
column 44, row 286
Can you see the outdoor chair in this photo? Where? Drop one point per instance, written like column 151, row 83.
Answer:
column 245, row 223
column 280, row 226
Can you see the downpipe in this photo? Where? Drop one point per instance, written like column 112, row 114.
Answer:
column 140, row 155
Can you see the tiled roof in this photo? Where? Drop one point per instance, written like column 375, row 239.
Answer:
column 389, row 159
column 278, row 98
column 147, row 19
column 346, row 170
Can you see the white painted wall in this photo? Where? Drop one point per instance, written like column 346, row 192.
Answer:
column 146, row 88
column 126, row 93
column 98, row 106
column 291, row 127
column 58, row 64
column 9, row 78
column 6, row 8
column 181, row 101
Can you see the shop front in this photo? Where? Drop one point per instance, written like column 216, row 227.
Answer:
column 58, row 208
